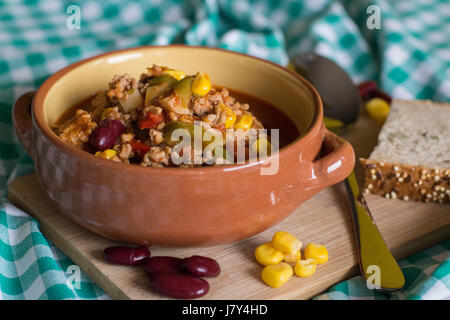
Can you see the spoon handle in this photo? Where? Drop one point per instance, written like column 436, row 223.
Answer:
column 374, row 256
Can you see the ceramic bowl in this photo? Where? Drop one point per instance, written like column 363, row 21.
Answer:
column 177, row 206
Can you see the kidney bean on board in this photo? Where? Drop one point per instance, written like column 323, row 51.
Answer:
column 164, row 264
column 202, row 266
column 127, row 256
column 105, row 135
column 366, row 89
column 179, row 286
column 369, row 89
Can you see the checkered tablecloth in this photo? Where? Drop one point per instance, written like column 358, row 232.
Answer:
column 409, row 56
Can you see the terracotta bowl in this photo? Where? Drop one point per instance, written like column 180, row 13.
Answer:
column 174, row 206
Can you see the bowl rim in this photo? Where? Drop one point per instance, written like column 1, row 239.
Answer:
column 39, row 119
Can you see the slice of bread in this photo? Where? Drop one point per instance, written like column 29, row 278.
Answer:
column 412, row 158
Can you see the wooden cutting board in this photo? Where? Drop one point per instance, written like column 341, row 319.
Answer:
column 407, row 227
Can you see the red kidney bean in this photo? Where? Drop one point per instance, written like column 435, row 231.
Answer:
column 127, row 256
column 366, row 89
column 382, row 95
column 202, row 266
column 164, row 264
column 179, row 286
column 369, row 89
column 105, row 135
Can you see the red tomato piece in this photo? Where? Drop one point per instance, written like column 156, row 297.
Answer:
column 139, row 147
column 150, row 121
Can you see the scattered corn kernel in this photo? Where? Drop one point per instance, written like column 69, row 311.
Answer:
column 286, row 242
column 261, row 144
column 231, row 116
column 317, row 252
column 293, row 257
column 267, row 255
column 201, row 84
column 305, row 268
column 177, row 74
column 378, row 109
column 244, row 122
column 106, row 154
column 106, row 112
column 276, row 275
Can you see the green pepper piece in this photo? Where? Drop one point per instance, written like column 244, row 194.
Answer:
column 155, row 91
column 184, row 91
column 164, row 78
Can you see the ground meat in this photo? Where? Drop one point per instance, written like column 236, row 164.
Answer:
column 152, row 109
column 160, row 126
column 205, row 105
column 157, row 156
column 112, row 113
column 215, row 98
column 126, row 137
column 187, row 118
column 201, row 105
column 221, row 116
column 209, row 118
column 229, row 101
column 173, row 116
column 77, row 131
column 238, row 106
column 125, row 151
column 155, row 70
column 172, row 103
column 120, row 85
column 156, row 137
column 145, row 77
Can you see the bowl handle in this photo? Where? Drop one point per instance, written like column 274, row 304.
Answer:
column 22, row 120
column 336, row 165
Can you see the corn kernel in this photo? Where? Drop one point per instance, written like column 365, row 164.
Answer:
column 378, row 110
column 106, row 112
column 276, row 275
column 286, row 242
column 201, row 84
column 106, row 154
column 261, row 146
column 293, row 257
column 244, row 122
column 177, row 74
column 305, row 268
column 267, row 255
column 230, row 116
column 317, row 252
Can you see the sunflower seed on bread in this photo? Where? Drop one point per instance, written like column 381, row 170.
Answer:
column 412, row 158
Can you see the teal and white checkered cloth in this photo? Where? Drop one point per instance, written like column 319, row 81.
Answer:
column 409, row 57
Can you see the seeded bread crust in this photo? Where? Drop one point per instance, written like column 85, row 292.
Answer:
column 395, row 181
